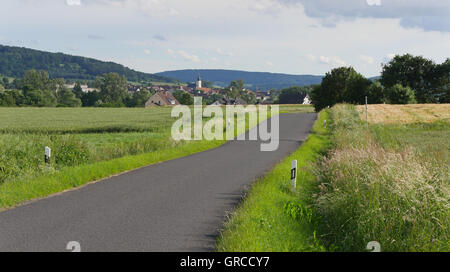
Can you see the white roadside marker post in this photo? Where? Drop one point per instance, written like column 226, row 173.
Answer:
column 324, row 123
column 48, row 153
column 374, row 246
column 294, row 175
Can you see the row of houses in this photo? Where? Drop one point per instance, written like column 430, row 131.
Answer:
column 164, row 94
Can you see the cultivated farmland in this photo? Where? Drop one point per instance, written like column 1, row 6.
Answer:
column 406, row 114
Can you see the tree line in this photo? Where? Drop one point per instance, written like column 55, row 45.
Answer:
column 36, row 89
column 406, row 79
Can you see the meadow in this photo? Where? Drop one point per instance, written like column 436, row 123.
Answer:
column 386, row 182
column 104, row 140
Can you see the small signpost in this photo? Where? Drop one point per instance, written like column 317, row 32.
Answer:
column 294, row 175
column 324, row 123
column 48, row 153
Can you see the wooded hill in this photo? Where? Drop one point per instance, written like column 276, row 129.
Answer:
column 15, row 61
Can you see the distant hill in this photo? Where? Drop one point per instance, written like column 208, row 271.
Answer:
column 14, row 61
column 253, row 80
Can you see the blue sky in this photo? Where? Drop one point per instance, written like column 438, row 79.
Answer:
column 286, row 36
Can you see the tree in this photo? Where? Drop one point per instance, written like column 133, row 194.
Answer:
column 376, row 93
column 67, row 98
column 441, row 82
column 77, row 90
column 339, row 85
column 249, row 98
column 399, row 94
column 416, row 72
column 35, row 80
column 138, row 99
column 292, row 95
column 90, row 99
column 5, row 82
column 40, row 98
column 183, row 97
column 113, row 89
column 236, row 89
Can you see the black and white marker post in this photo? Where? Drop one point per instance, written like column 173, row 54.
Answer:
column 48, row 153
column 294, row 175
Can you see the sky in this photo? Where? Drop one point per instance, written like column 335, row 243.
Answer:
column 280, row 36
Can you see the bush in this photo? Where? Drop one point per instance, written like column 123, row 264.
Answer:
column 399, row 94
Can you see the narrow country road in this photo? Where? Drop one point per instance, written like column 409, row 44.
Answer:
column 178, row 205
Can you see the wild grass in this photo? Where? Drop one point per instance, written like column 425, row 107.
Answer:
column 272, row 217
column 388, row 183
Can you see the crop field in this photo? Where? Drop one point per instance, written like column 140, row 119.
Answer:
column 406, row 114
column 85, row 120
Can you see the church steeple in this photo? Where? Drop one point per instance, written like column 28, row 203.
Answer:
column 199, row 83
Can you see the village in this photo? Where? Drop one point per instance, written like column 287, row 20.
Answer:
column 166, row 94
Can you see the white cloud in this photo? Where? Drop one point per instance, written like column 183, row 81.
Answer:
column 73, row 2
column 147, row 52
column 311, row 57
column 269, row 63
column 224, row 53
column 187, row 56
column 157, row 8
column 334, row 61
column 366, row 59
column 373, row 2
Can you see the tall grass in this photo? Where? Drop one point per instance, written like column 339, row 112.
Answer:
column 374, row 186
column 23, row 154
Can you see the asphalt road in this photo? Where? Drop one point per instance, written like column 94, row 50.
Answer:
column 178, row 205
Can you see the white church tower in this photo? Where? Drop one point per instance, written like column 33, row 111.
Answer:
column 198, row 85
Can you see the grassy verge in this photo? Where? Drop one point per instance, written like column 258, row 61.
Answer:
column 16, row 192
column 388, row 183
column 272, row 218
